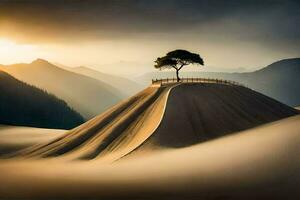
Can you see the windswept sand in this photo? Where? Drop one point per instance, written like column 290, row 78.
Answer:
column 13, row 138
column 200, row 112
column 112, row 134
column 155, row 145
column 163, row 117
column 260, row 163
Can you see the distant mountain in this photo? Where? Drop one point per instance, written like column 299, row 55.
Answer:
column 128, row 87
column 279, row 80
column 88, row 96
column 25, row 105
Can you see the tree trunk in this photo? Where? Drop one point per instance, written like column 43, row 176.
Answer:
column 177, row 75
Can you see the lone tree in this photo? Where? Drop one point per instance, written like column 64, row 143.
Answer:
column 178, row 59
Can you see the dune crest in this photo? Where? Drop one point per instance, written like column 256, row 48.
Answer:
column 112, row 134
column 170, row 116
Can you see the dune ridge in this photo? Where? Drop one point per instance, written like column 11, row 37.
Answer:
column 172, row 116
column 200, row 112
column 111, row 135
column 173, row 125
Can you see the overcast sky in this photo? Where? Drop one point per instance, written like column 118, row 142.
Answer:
column 127, row 35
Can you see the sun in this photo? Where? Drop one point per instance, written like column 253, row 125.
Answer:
column 11, row 51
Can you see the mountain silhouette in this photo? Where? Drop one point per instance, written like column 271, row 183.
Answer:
column 25, row 105
column 86, row 95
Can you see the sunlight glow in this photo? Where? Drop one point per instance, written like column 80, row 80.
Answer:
column 12, row 52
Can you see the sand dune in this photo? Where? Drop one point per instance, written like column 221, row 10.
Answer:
column 131, row 151
column 113, row 134
column 200, row 112
column 13, row 138
column 260, row 163
column 193, row 113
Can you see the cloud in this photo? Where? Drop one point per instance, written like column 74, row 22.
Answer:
column 67, row 20
column 240, row 33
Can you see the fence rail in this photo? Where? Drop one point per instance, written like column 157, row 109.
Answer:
column 165, row 81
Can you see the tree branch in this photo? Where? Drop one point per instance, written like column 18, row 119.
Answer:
column 175, row 67
column 181, row 66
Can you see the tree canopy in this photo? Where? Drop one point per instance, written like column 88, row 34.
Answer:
column 178, row 59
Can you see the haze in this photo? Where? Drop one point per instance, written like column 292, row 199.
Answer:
column 125, row 37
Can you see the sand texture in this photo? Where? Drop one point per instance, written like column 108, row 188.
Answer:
column 14, row 138
column 180, row 141
column 260, row 163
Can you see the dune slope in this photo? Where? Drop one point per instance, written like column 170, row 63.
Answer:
column 13, row 138
column 112, row 134
column 199, row 112
column 260, row 163
column 164, row 117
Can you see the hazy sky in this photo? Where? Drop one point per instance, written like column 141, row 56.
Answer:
column 128, row 35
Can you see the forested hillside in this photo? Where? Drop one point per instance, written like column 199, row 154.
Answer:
column 26, row 105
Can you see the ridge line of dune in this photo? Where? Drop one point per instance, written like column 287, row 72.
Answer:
column 156, row 124
column 116, row 129
column 37, row 152
column 123, row 144
column 31, row 151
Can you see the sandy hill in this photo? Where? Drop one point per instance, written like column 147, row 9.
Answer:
column 14, row 138
column 260, row 163
column 165, row 117
column 279, row 80
column 126, row 86
column 86, row 95
column 26, row 105
column 142, row 136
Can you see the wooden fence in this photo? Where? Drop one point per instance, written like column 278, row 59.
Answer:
column 195, row 80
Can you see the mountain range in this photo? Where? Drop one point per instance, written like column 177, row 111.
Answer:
column 86, row 95
column 90, row 92
column 279, row 80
